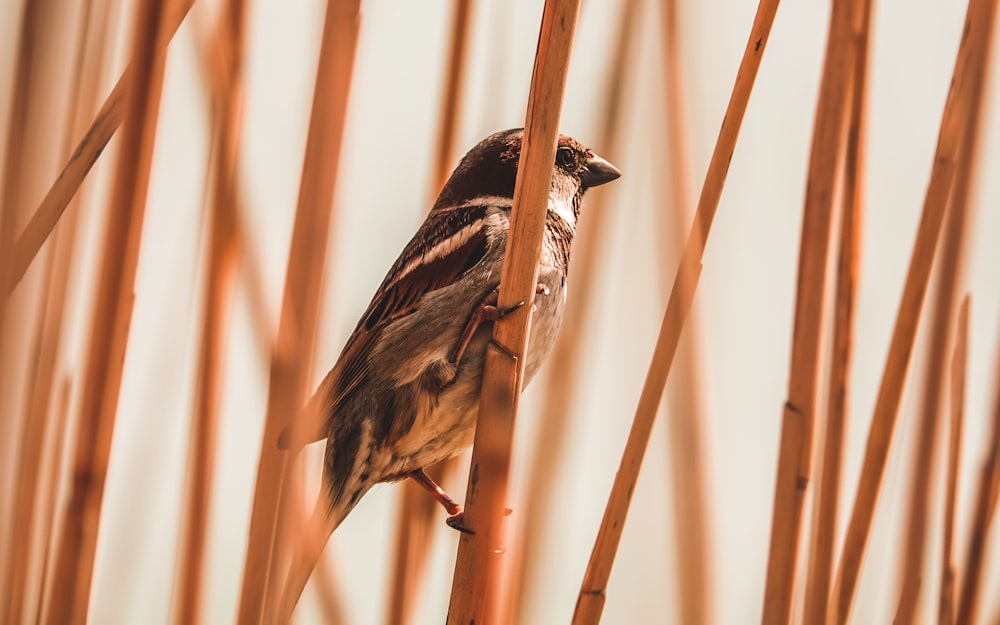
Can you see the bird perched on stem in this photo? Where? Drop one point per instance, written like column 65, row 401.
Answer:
column 404, row 393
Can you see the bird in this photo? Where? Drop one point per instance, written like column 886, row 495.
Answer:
column 404, row 393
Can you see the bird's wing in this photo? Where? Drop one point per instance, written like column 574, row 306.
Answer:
column 450, row 242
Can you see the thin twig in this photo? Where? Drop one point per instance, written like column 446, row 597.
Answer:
column 955, row 119
column 590, row 602
column 475, row 589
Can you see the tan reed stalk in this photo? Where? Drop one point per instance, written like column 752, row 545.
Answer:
column 590, row 602
column 417, row 512
column 300, row 302
column 564, row 363
column 219, row 282
column 331, row 607
column 954, row 123
column 454, row 85
column 907, row 606
column 942, row 313
column 414, row 530
column 94, row 140
column 987, row 493
column 475, row 595
column 54, row 447
column 77, row 536
column 10, row 190
column 687, row 418
column 24, row 565
column 794, row 470
column 946, row 605
column 827, row 503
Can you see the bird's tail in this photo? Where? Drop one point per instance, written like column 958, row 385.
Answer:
column 307, row 548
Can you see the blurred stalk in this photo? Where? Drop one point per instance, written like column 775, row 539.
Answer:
column 300, row 301
column 227, row 108
column 33, row 513
column 77, row 543
column 417, row 512
column 983, row 511
column 946, row 603
column 94, row 140
column 687, row 417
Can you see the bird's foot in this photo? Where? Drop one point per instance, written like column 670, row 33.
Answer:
column 457, row 522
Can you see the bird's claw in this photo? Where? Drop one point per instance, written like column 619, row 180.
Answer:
column 457, row 522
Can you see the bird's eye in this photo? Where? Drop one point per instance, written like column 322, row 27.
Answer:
column 565, row 158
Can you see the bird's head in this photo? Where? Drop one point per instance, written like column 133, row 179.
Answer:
column 490, row 168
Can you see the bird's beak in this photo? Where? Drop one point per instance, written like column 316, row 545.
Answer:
column 598, row 171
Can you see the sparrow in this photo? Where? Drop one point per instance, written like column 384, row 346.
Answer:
column 404, row 393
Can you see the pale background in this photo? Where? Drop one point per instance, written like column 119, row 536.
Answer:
column 745, row 297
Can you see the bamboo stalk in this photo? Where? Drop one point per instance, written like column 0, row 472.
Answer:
column 687, row 418
column 221, row 272
column 564, row 363
column 109, row 335
column 475, row 590
column 794, row 469
column 104, row 126
column 946, row 606
column 590, row 602
column 968, row 73
column 300, row 302
column 852, row 207
column 23, row 564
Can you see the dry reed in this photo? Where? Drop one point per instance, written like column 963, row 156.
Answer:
column 77, row 536
column 104, row 126
column 222, row 257
column 795, row 461
column 300, row 302
column 946, row 611
column 968, row 73
column 418, row 512
column 827, row 503
column 687, row 417
column 987, row 494
column 62, row 449
column 37, row 452
column 476, row 586
column 564, row 363
column 590, row 602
